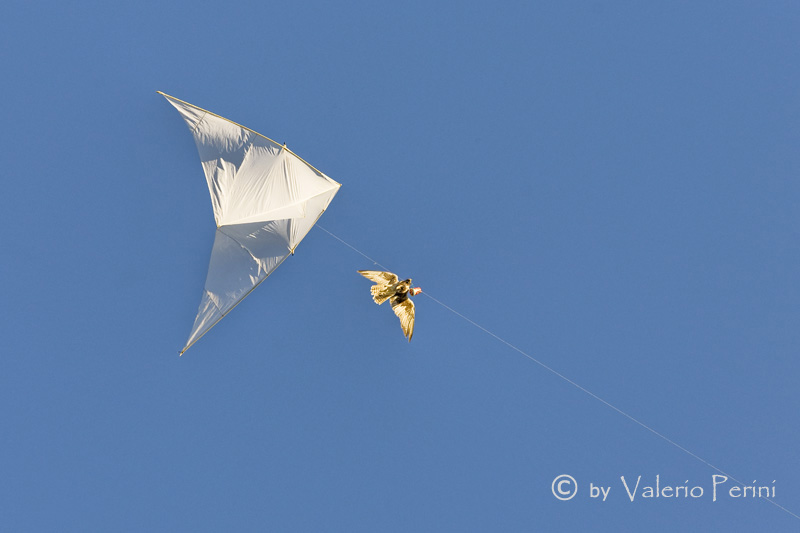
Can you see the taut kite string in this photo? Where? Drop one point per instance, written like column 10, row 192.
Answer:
column 564, row 378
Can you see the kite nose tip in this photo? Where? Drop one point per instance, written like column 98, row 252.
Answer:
column 415, row 291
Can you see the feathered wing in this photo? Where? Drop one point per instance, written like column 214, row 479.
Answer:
column 384, row 284
column 381, row 278
column 405, row 312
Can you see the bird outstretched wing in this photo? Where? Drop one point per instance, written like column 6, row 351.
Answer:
column 381, row 278
column 405, row 312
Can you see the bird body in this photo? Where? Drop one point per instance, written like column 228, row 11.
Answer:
column 389, row 287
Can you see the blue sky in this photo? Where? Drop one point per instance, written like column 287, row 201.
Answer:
column 611, row 187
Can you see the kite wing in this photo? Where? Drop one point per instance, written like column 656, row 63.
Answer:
column 265, row 200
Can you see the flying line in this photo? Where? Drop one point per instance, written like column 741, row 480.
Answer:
column 564, row 378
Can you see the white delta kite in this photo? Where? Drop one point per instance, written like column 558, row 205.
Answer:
column 265, row 200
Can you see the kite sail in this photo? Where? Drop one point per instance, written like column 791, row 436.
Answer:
column 265, row 200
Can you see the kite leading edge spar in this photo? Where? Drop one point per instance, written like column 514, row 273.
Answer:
column 265, row 200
